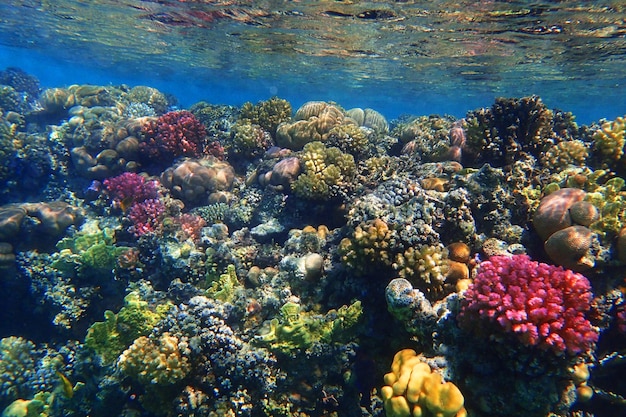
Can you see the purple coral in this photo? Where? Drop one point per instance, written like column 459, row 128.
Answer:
column 146, row 216
column 543, row 305
column 130, row 186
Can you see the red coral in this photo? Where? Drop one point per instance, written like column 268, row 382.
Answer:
column 174, row 134
column 130, row 186
column 146, row 216
column 543, row 305
column 191, row 225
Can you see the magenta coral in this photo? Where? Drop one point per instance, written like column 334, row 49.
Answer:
column 130, row 186
column 174, row 134
column 543, row 305
column 146, row 216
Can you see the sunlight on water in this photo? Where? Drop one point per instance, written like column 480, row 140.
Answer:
column 403, row 56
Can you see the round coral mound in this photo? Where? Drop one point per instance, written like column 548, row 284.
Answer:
column 543, row 305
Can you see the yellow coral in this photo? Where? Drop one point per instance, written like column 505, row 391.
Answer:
column 610, row 139
column 324, row 170
column 413, row 390
column 426, row 267
column 369, row 244
column 155, row 362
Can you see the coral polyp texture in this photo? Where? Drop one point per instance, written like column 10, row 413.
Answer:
column 540, row 304
column 412, row 389
column 174, row 134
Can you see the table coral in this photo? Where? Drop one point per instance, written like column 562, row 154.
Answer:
column 542, row 305
column 413, row 389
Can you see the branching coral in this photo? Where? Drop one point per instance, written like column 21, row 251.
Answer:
column 541, row 305
column 267, row 114
column 174, row 134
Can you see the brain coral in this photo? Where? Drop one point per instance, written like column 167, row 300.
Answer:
column 314, row 120
column 541, row 305
column 196, row 180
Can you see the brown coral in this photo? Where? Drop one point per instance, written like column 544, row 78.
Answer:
column 568, row 247
column 314, row 120
column 195, row 180
column 553, row 212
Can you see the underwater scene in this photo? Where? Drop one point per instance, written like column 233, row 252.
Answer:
column 312, row 208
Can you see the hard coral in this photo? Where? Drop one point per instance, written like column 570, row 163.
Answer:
column 412, row 389
column 199, row 180
column 174, row 134
column 542, row 305
column 130, row 186
column 314, row 121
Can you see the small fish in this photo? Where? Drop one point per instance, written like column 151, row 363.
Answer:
column 126, row 203
column 66, row 386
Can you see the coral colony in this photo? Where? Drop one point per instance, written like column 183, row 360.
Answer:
column 256, row 261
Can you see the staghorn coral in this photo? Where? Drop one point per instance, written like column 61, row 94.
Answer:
column 326, row 172
column 511, row 130
column 541, row 305
column 413, row 389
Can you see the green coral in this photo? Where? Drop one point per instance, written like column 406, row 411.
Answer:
column 267, row 114
column 564, row 154
column 36, row 407
column 326, row 170
column 90, row 252
column 248, row 140
column 224, row 287
column 297, row 330
column 155, row 362
column 111, row 336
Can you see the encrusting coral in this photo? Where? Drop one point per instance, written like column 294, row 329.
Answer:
column 412, row 389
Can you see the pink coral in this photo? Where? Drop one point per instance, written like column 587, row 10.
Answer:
column 130, row 186
column 543, row 305
column 174, row 134
column 146, row 216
